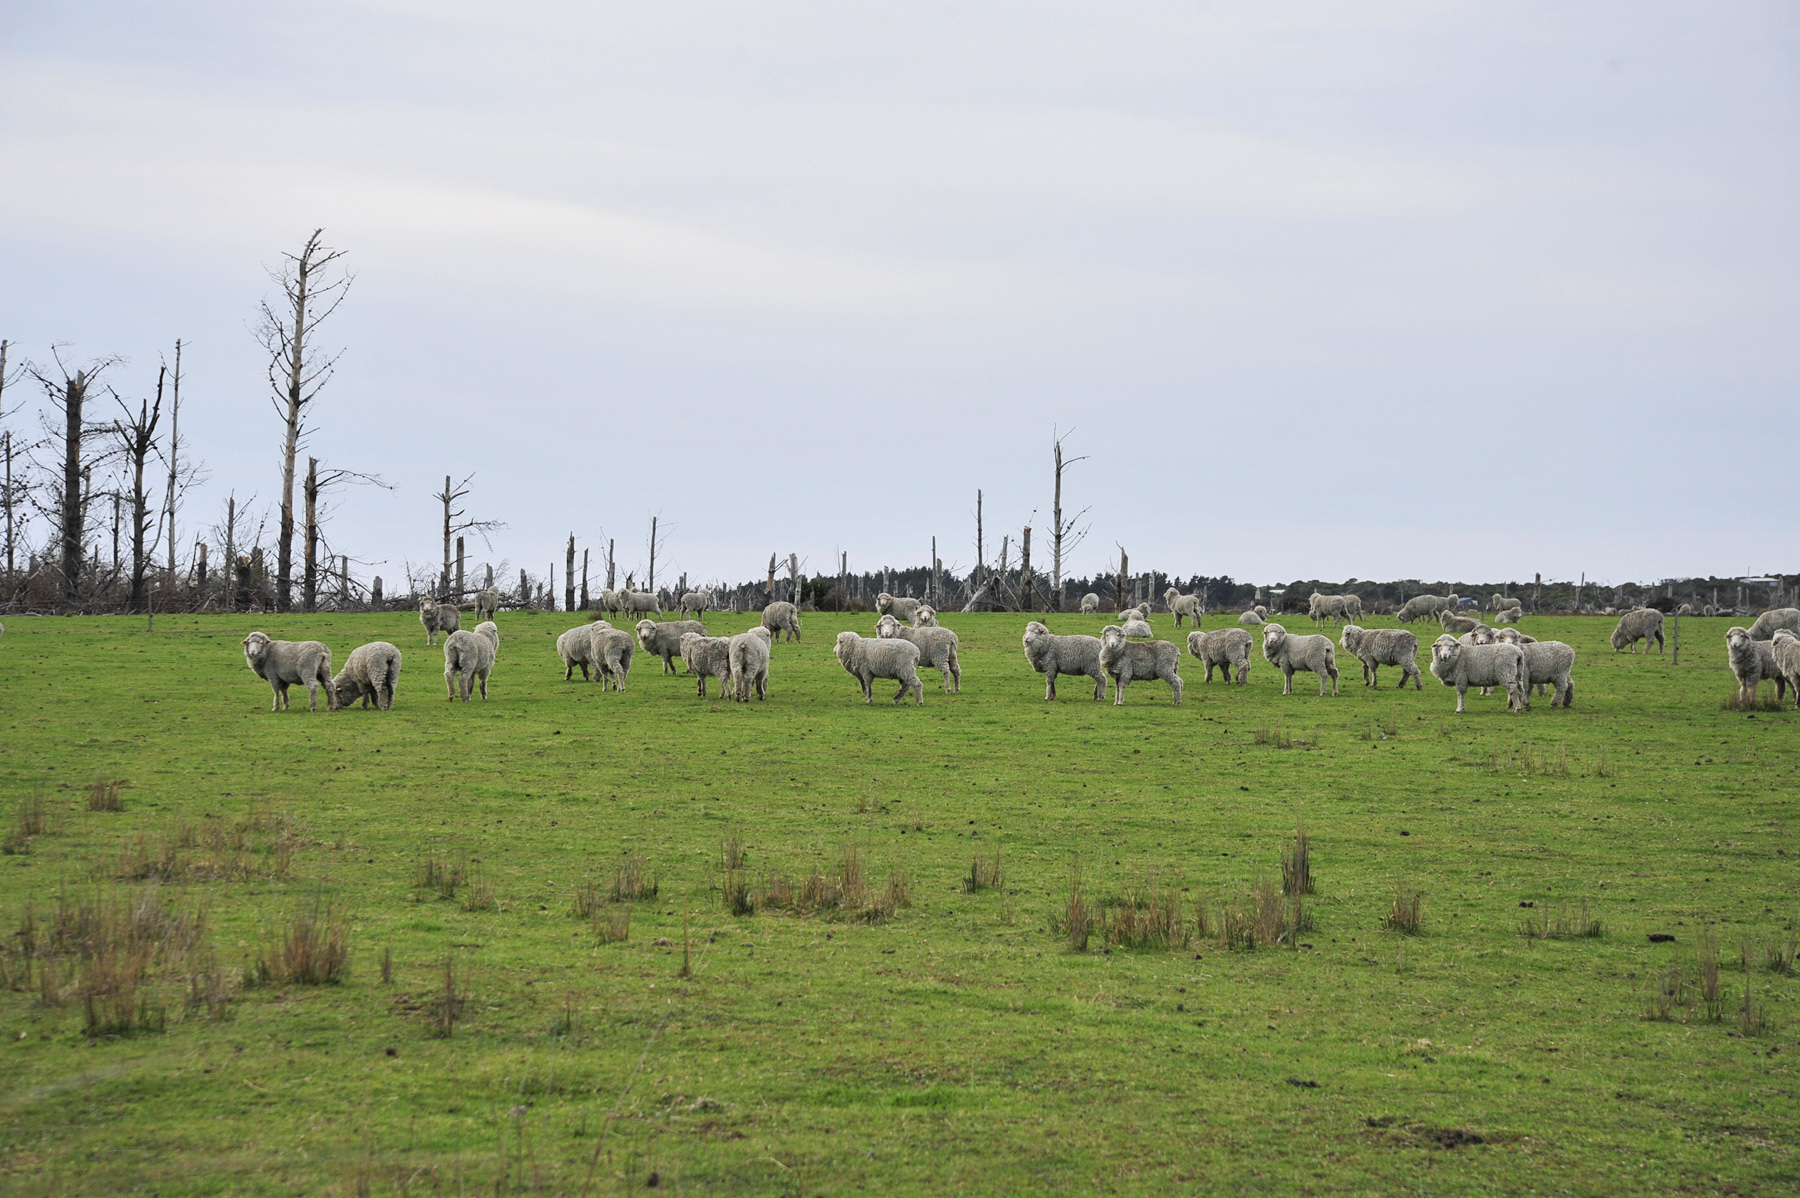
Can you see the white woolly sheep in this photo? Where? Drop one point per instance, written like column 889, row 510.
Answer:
column 1090, row 603
column 1051, row 655
column 1421, row 607
column 707, row 657
column 1124, row 660
column 469, row 658
column 1753, row 661
column 289, row 663
column 781, row 616
column 1509, row 615
column 937, row 649
column 1140, row 612
column 1290, row 652
column 576, row 648
column 869, row 658
column 897, row 606
column 1377, row 647
column 1180, row 605
column 1776, row 618
column 1644, row 624
column 1334, row 607
column 1549, row 663
column 1500, row 603
column 1137, row 628
column 1256, row 615
column 1512, row 636
column 1462, row 666
column 1786, row 647
column 370, row 673
column 696, row 601
column 438, row 617
column 925, row 617
column 638, row 602
column 487, row 603
column 664, row 640
column 609, row 601
column 612, row 654
column 749, row 654
column 1228, row 649
column 1456, row 625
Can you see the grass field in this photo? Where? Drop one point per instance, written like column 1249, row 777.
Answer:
column 918, row 1038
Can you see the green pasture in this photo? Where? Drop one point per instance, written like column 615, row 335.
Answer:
column 959, row 1046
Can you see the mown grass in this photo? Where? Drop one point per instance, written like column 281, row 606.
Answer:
column 466, row 928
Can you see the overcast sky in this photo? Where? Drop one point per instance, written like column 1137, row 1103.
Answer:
column 1411, row 290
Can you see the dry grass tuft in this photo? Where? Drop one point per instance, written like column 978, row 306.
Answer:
column 441, row 876
column 1561, row 922
column 1779, row 954
column 1076, row 924
column 844, row 892
column 1296, row 864
column 1740, row 701
column 106, row 794
column 387, row 966
column 1707, row 967
column 983, row 875
column 612, row 924
column 1407, row 913
column 32, row 820
column 312, row 950
column 478, row 891
column 256, row 845
column 1751, row 1020
column 1668, row 993
column 631, row 880
column 447, row 1006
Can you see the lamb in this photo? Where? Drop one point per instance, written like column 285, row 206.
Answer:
column 1289, row 652
column 896, row 606
column 749, row 658
column 1643, row 624
column 1377, row 647
column 937, row 649
column 1183, row 605
column 696, row 601
column 612, row 653
column 1548, row 663
column 576, row 648
column 925, row 617
column 1256, row 615
column 1228, row 649
column 1753, row 661
column 470, row 655
column 1500, row 603
column 288, row 663
column 438, row 617
column 635, row 602
column 1786, row 647
column 1090, row 603
column 372, row 671
column 1051, row 655
column 1124, row 660
column 1455, row 624
column 707, row 657
column 664, row 640
column 869, row 658
column 1462, row 666
column 1765, row 626
column 1509, row 615
column 781, row 616
column 487, row 603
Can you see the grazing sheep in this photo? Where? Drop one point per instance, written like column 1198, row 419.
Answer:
column 1500, row 603
column 696, row 601
column 1509, row 615
column 925, row 617
column 1255, row 615
column 1455, row 624
column 869, row 658
column 1766, row 625
column 781, row 616
column 1334, row 607
column 1228, row 649
column 664, row 640
column 1090, row 603
column 896, row 606
column 937, row 649
column 487, row 604
column 1289, row 652
column 1686, row 609
column 1643, row 624
column 1181, row 605
column 1137, row 628
column 1753, row 661
column 438, row 617
column 372, row 671
column 1421, row 606
column 1124, row 660
column 612, row 654
column 1548, row 663
column 576, row 648
column 749, row 654
column 1051, row 655
column 637, row 602
column 707, row 657
column 1377, row 647
column 1462, row 666
column 1140, row 612
column 288, row 663
column 1786, row 647
column 469, row 657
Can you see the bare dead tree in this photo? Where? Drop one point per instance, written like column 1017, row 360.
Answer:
column 12, row 494
column 612, row 577
column 454, row 523
column 657, row 538
column 1065, row 534
column 569, row 577
column 317, row 484
column 137, row 443
column 67, row 496
column 313, row 283
column 1025, row 571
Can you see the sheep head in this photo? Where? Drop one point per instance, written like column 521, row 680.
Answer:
column 256, row 647
column 845, row 648
column 645, row 628
column 1445, row 652
column 1112, row 636
column 1481, row 634
column 1351, row 637
column 887, row 628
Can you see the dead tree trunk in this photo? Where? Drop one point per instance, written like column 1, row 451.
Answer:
column 1120, row 595
column 569, row 576
column 73, row 507
column 611, row 578
column 794, row 579
column 174, row 453
column 1025, row 571
column 1064, row 536
column 935, row 597
column 462, row 587
column 980, row 554
column 309, row 592
column 584, row 580
column 771, row 584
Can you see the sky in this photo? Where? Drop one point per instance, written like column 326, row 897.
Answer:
column 1436, row 291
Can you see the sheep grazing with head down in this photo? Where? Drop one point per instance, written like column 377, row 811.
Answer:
column 664, row 640
column 1136, row 627
column 749, row 654
column 1550, row 663
column 1090, row 603
column 937, row 649
column 438, row 617
column 1421, row 607
column 1462, row 666
column 925, row 617
column 707, row 657
column 897, row 606
column 1256, row 615
column 1377, row 647
column 1125, row 660
column 469, row 658
column 1772, row 621
column 487, row 604
column 576, row 648
column 370, row 673
column 780, row 617
column 1753, row 662
column 1786, row 647
column 1456, row 625
column 611, row 655
column 1642, row 624
column 1228, row 649
column 869, row 658
column 1334, row 607
column 1292, row 652
column 282, row 664
column 1051, row 655
column 696, row 601
column 1180, row 605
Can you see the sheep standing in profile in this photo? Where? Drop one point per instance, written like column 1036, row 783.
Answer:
column 611, row 656
column 1256, row 615
column 1051, row 655
column 1642, row 624
column 576, row 648
column 664, row 640
column 1500, row 603
column 469, row 658
column 291, row 663
column 1180, row 605
column 1090, row 603
column 1753, row 661
column 1337, row 608
column 1228, row 649
column 1292, row 652
column 925, row 617
column 1456, row 625
column 487, row 604
column 1377, row 647
column 1124, row 660
column 897, row 606
column 1786, row 647
column 438, row 617
column 609, row 601
column 1770, row 622
column 1550, row 663
column 781, row 616
column 1462, row 666
column 749, row 657
column 636, row 603
column 370, row 673
column 707, row 657
column 937, row 649
column 869, row 658
column 1420, row 607
column 696, row 601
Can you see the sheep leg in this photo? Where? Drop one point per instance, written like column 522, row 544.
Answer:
column 1120, row 681
column 450, row 683
column 1462, row 690
column 1050, row 684
column 1175, row 685
column 1287, row 675
column 1099, row 686
column 276, row 696
column 1243, row 674
column 868, row 687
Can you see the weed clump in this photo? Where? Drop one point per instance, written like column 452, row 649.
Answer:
column 441, row 877
column 631, row 880
column 1562, row 922
column 310, row 950
column 844, row 892
column 1296, row 864
column 106, row 794
column 983, row 875
column 1406, row 915
column 31, row 820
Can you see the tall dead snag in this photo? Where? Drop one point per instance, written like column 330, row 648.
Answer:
column 67, row 440
column 312, row 284
column 1122, row 584
column 612, row 577
column 137, row 442
column 584, row 580
column 771, row 584
column 569, row 577
column 1025, row 571
column 1065, row 534
column 454, row 523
